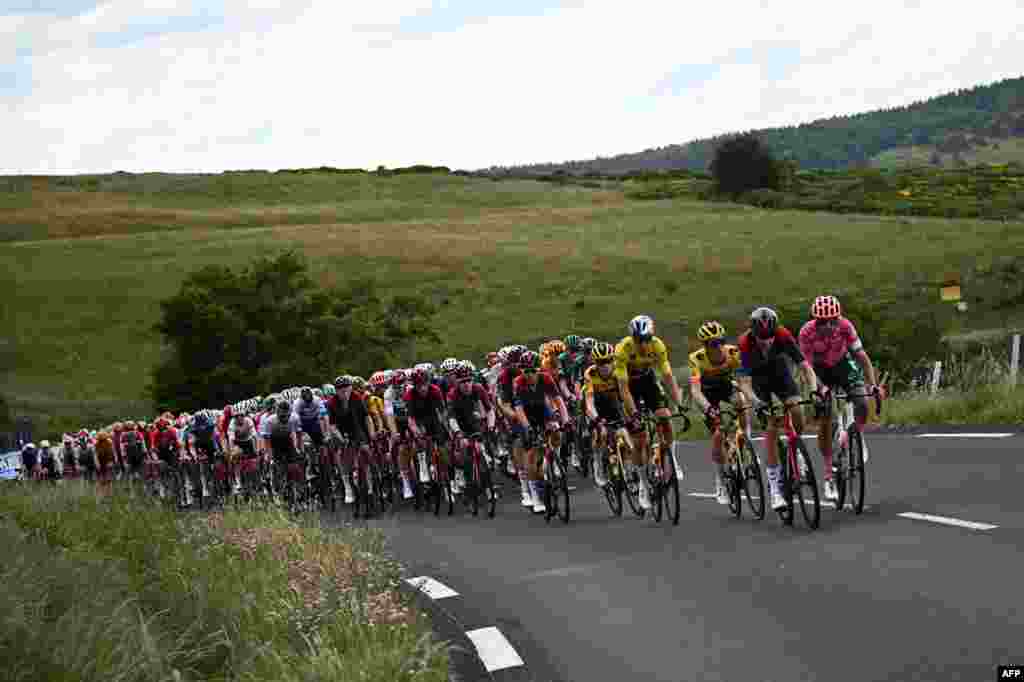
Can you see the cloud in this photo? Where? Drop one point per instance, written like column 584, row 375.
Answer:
column 189, row 86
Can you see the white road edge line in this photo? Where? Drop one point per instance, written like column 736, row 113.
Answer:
column 432, row 588
column 824, row 503
column 494, row 650
column 963, row 435
column 806, row 435
column 973, row 525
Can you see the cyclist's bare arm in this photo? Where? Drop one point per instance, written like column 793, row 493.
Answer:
column 864, row 361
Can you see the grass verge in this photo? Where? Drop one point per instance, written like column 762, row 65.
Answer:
column 993, row 404
column 116, row 589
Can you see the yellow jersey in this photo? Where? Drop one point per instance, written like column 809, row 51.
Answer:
column 702, row 369
column 375, row 405
column 631, row 362
column 595, row 384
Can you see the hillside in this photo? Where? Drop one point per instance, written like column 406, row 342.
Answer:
column 955, row 125
column 90, row 257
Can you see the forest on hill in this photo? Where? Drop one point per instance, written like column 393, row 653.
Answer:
column 951, row 127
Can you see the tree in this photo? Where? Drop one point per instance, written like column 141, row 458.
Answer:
column 742, row 163
column 234, row 334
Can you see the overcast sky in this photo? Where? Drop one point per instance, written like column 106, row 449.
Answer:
column 171, row 85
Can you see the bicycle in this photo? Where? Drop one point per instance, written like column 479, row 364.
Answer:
column 556, row 485
column 798, row 479
column 435, row 479
column 742, row 465
column 482, row 481
column 662, row 471
column 612, row 462
column 848, row 473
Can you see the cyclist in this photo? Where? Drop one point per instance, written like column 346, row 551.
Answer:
column 167, row 447
column 537, row 403
column 396, row 417
column 712, row 381
column 602, row 401
column 312, row 416
column 506, row 379
column 347, row 413
column 425, row 404
column 30, row 468
column 242, row 435
column 637, row 357
column 281, row 433
column 133, row 449
column 764, row 371
column 464, row 397
column 831, row 344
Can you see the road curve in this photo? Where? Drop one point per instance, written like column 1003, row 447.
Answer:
column 901, row 592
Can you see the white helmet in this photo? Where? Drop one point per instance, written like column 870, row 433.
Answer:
column 641, row 327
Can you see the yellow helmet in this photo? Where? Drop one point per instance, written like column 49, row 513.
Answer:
column 711, row 330
column 557, row 346
column 603, row 351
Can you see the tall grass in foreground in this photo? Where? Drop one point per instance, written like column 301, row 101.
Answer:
column 119, row 589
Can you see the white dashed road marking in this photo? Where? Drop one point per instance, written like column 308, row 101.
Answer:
column 494, row 650
column 806, row 435
column 432, row 588
column 945, row 520
column 964, row 435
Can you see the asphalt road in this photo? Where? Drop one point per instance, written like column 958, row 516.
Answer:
column 871, row 597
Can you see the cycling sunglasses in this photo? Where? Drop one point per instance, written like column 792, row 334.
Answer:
column 715, row 343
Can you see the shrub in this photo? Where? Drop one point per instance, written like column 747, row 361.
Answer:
column 743, row 163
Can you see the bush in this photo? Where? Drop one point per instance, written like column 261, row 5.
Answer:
column 765, row 198
column 233, row 335
column 743, row 163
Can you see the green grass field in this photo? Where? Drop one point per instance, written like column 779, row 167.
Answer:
column 89, row 258
column 996, row 152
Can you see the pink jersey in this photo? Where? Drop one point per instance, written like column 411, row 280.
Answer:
column 827, row 349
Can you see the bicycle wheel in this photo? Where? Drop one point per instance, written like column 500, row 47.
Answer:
column 857, row 478
column 561, row 495
column 670, row 491
column 487, row 491
column 582, row 450
column 733, row 481
column 475, row 488
column 657, row 498
column 753, row 481
column 550, row 496
column 806, row 486
column 631, row 479
column 786, row 513
column 613, row 489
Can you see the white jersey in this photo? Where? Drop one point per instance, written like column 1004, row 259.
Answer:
column 310, row 411
column 394, row 405
column 269, row 424
column 241, row 430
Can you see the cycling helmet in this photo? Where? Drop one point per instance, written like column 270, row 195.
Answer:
column 399, row 377
column 529, row 360
column 202, row 419
column 711, row 330
column 492, row 359
column 44, row 444
column 515, row 353
column 557, row 346
column 306, row 393
column 588, row 344
column 572, row 342
column 268, row 403
column 379, row 380
column 29, row 447
column 449, row 365
column 420, row 376
column 283, row 408
column 469, row 364
column 181, row 421
column 359, row 383
column 228, row 409
column 641, row 328
column 343, row 381
column 603, row 352
column 162, row 424
column 502, row 355
column 328, row 389
column 462, row 372
column 118, row 426
column 826, row 308
column 317, row 393
column 763, row 322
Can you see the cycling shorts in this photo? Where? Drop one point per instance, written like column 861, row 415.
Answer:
column 846, row 374
column 645, row 389
column 316, row 434
column 775, row 379
column 608, row 407
column 717, row 392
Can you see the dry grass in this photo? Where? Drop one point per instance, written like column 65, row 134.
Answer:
column 318, row 561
